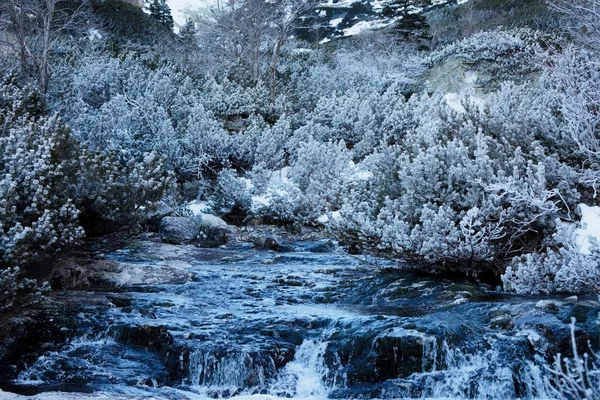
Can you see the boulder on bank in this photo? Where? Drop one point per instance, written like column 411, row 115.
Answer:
column 213, row 230
column 203, row 230
column 153, row 218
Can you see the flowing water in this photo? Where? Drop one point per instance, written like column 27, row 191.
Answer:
column 188, row 323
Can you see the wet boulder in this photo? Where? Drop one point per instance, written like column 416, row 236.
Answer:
column 179, row 230
column 326, row 246
column 266, row 243
column 204, row 230
column 70, row 277
column 368, row 358
column 147, row 336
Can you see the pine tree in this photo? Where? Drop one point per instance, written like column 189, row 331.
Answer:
column 161, row 12
column 188, row 31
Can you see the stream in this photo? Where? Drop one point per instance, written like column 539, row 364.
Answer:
column 180, row 322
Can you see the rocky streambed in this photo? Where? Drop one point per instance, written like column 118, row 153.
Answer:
column 182, row 322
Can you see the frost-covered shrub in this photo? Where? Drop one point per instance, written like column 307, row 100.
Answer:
column 114, row 193
column 458, row 188
column 358, row 66
column 200, row 142
column 318, row 169
column 312, row 184
column 135, row 107
column 51, row 186
column 264, row 144
column 228, row 98
column 231, row 195
column 38, row 214
column 16, row 290
column 574, row 79
column 562, row 267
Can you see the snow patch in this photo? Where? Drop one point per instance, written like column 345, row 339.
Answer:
column 336, row 216
column 471, row 77
column 339, row 4
column 94, row 34
column 453, row 100
column 589, row 228
column 368, row 25
column 335, row 22
column 363, row 175
column 198, row 207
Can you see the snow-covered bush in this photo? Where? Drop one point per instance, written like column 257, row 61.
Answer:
column 574, row 79
column 319, row 169
column 459, row 188
column 231, row 195
column 562, row 267
column 38, row 214
column 311, row 185
column 114, row 193
column 16, row 290
column 51, row 186
column 133, row 106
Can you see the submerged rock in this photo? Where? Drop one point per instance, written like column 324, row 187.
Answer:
column 204, row 230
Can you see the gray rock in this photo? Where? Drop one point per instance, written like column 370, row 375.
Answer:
column 179, row 230
column 213, row 231
column 204, row 230
column 285, row 249
column 323, row 247
column 266, row 243
column 70, row 277
column 153, row 217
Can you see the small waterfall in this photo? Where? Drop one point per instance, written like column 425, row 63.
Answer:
column 222, row 374
column 429, row 361
column 46, row 365
column 226, row 372
column 345, row 333
column 492, row 373
column 488, row 371
column 304, row 377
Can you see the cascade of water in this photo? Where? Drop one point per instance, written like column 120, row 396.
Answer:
column 463, row 373
column 430, row 354
column 229, row 371
column 304, row 376
column 35, row 373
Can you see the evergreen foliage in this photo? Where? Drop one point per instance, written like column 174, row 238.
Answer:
column 160, row 11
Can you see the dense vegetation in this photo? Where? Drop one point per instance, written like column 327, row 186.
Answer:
column 468, row 149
